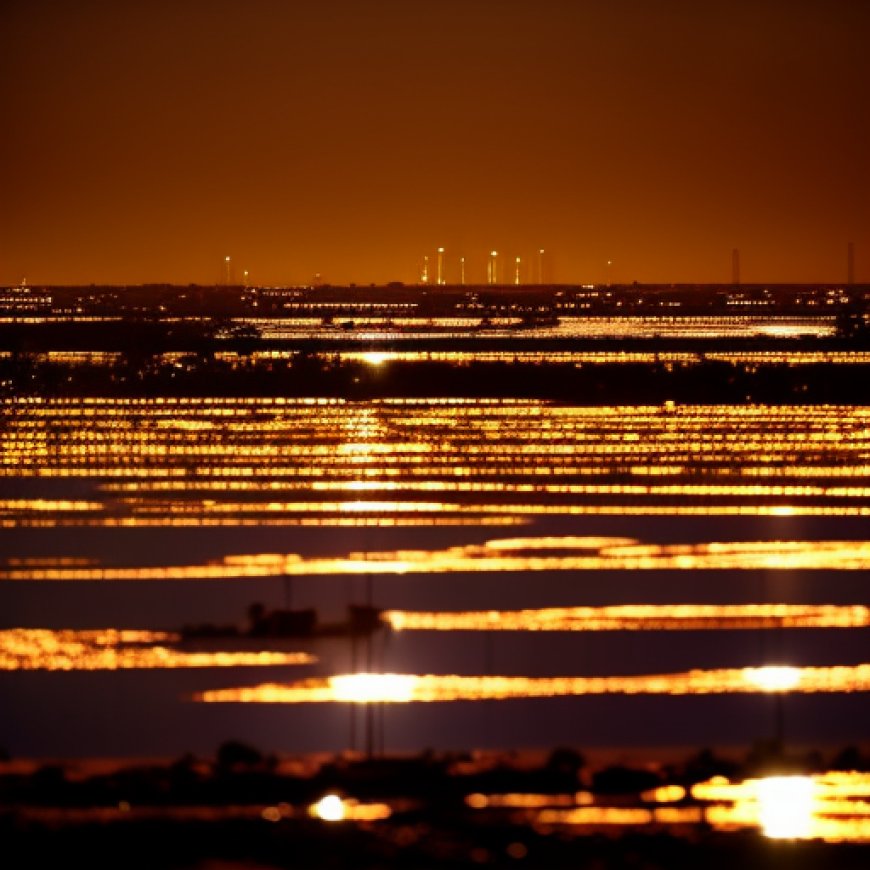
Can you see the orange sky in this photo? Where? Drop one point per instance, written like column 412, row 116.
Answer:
column 146, row 140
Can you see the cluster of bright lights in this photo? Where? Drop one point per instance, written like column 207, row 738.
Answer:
column 831, row 807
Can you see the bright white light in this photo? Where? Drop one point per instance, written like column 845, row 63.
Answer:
column 774, row 678
column 785, row 806
column 365, row 688
column 330, row 808
column 373, row 358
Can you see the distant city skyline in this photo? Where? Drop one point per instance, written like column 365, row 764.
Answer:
column 147, row 142
column 473, row 269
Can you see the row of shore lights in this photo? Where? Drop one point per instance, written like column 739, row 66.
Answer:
column 491, row 268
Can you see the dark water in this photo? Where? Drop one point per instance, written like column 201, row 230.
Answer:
column 125, row 486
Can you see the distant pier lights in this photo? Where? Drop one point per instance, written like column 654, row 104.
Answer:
column 492, row 268
column 529, row 269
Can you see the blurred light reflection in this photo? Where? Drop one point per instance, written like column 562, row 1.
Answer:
column 406, row 688
column 507, row 555
column 647, row 617
column 27, row 649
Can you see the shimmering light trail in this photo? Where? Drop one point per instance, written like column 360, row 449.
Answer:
column 293, row 462
column 29, row 649
column 646, row 617
column 493, row 556
column 385, row 322
column 406, row 688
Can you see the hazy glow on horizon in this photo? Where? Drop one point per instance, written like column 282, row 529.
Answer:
column 363, row 177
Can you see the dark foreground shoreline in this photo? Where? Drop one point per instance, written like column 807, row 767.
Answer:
column 247, row 809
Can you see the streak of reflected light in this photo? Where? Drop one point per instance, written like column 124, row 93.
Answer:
column 26, row 649
column 553, row 554
column 406, row 688
column 647, row 617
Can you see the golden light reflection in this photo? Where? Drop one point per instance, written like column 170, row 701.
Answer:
column 486, row 461
column 329, row 808
column 665, row 794
column 647, row 617
column 594, row 817
column 775, row 678
column 399, row 322
column 364, row 688
column 832, row 806
column 525, row 800
column 334, row 808
column 26, row 649
column 406, row 688
column 785, row 806
column 595, row 357
column 494, row 556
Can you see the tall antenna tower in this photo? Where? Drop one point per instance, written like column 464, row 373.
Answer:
column 462, row 270
column 517, row 272
column 540, row 265
column 424, row 274
column 227, row 270
column 440, row 266
column 492, row 268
